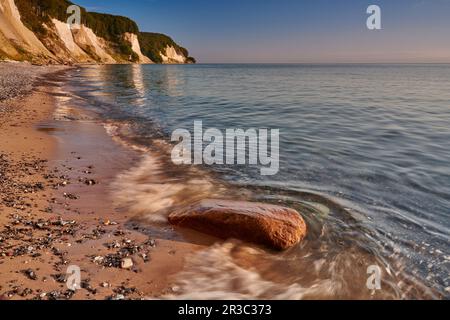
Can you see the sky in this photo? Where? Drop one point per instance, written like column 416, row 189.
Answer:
column 294, row 31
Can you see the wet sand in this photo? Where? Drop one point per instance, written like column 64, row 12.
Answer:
column 56, row 210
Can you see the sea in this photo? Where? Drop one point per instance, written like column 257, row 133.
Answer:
column 364, row 156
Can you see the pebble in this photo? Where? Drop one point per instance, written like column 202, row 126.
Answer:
column 30, row 274
column 16, row 80
column 126, row 263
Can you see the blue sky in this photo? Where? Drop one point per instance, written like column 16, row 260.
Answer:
column 294, row 30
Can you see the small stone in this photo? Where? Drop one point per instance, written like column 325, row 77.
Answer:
column 70, row 196
column 126, row 263
column 30, row 274
column 90, row 182
column 109, row 223
column 144, row 257
column 98, row 259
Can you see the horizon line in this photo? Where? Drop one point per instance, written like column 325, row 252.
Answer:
column 326, row 63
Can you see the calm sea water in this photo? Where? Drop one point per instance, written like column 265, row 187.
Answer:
column 364, row 147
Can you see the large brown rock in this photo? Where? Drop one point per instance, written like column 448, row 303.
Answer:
column 274, row 226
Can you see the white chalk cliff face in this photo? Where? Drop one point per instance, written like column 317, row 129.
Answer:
column 82, row 43
column 14, row 34
column 172, row 56
column 62, row 43
column 136, row 47
column 65, row 34
column 79, row 46
column 93, row 45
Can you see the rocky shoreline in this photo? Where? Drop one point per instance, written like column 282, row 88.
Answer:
column 55, row 212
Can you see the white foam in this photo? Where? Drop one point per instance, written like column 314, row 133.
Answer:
column 214, row 274
column 150, row 192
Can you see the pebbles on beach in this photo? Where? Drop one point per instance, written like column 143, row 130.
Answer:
column 16, row 79
column 47, row 223
column 26, row 235
column 124, row 250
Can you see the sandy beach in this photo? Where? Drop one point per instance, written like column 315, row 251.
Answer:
column 56, row 209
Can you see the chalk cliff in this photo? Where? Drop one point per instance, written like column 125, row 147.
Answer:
column 36, row 31
column 162, row 49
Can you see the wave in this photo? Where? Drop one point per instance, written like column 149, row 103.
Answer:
column 146, row 191
column 234, row 271
column 331, row 264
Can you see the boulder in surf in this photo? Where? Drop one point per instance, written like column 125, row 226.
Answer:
column 273, row 226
